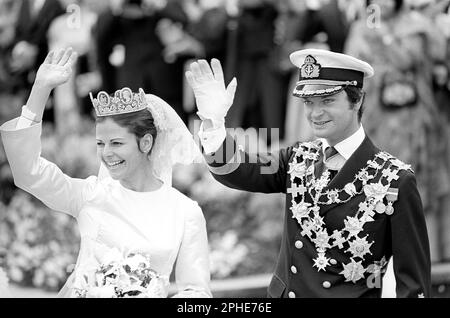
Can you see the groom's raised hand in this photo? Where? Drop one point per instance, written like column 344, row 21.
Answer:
column 207, row 82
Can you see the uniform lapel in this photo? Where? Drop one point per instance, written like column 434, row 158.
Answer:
column 358, row 160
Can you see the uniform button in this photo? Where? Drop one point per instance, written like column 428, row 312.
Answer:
column 326, row 284
column 298, row 244
column 291, row 295
column 333, row 261
column 294, row 269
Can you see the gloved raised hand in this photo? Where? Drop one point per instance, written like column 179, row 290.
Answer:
column 213, row 99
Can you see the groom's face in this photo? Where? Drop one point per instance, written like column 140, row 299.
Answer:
column 332, row 117
column 118, row 150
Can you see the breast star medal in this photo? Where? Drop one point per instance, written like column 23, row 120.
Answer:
column 321, row 262
column 359, row 247
column 379, row 199
column 353, row 271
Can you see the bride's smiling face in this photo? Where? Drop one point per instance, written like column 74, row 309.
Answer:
column 119, row 151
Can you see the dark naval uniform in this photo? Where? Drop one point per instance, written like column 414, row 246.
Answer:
column 340, row 230
column 359, row 235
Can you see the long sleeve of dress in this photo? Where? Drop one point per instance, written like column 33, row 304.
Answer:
column 410, row 247
column 192, row 272
column 38, row 176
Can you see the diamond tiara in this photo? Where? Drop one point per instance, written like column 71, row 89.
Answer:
column 122, row 102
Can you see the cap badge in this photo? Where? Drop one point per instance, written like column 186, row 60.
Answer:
column 310, row 69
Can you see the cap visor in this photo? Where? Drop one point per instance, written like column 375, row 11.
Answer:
column 303, row 91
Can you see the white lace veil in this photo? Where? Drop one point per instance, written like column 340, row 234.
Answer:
column 174, row 143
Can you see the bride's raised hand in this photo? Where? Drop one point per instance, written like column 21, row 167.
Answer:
column 56, row 69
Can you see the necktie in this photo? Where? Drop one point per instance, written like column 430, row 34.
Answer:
column 329, row 153
column 319, row 166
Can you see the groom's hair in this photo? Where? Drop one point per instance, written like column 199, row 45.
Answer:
column 138, row 123
column 356, row 95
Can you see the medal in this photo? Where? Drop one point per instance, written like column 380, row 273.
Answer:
column 380, row 208
column 359, row 247
column 389, row 209
column 333, row 196
column 300, row 211
column 353, row 271
column 392, row 194
column 350, row 189
column 373, row 182
column 321, row 262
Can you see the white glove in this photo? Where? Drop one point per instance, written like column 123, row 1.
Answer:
column 213, row 99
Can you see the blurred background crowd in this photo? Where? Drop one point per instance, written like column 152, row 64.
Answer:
column 148, row 44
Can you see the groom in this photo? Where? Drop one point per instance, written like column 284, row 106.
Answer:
column 349, row 206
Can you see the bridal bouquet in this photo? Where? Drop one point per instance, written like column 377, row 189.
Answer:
column 120, row 276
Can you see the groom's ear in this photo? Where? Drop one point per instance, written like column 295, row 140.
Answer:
column 146, row 144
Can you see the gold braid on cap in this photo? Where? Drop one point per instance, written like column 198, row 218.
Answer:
column 124, row 101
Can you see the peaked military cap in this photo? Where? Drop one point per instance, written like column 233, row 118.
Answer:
column 325, row 73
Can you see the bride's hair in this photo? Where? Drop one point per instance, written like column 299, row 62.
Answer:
column 138, row 123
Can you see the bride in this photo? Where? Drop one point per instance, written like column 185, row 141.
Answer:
column 132, row 222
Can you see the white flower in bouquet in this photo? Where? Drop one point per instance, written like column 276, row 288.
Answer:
column 107, row 291
column 111, row 256
column 136, row 262
column 119, row 276
column 157, row 287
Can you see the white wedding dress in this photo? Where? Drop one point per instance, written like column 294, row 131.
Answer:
column 165, row 224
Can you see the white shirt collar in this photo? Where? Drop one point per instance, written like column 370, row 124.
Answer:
column 348, row 146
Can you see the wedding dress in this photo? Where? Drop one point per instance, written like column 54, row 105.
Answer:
column 165, row 224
